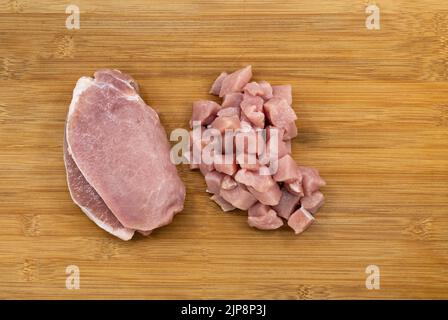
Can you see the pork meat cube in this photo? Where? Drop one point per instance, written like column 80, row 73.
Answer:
column 311, row 180
column 261, row 183
column 225, row 206
column 295, row 186
column 300, row 220
column 290, row 131
column 204, row 111
column 286, row 170
column 285, row 134
column 229, row 112
column 277, row 148
column 313, row 202
column 262, row 89
column 287, row 205
column 250, row 100
column 232, row 100
column 224, row 165
column 226, row 123
column 239, row 197
column 248, row 161
column 262, row 217
column 284, row 92
column 249, row 141
column 228, row 183
column 236, row 81
column 213, row 180
column 216, row 87
column 252, row 109
column 258, row 210
column 267, row 90
column 271, row 197
column 274, row 131
column 257, row 118
column 196, row 139
column 253, row 88
column 279, row 112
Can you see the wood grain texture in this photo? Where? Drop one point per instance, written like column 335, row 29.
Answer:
column 373, row 117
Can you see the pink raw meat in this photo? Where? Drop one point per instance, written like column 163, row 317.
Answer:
column 204, row 111
column 261, row 183
column 90, row 202
column 239, row 197
column 300, row 220
column 213, row 180
column 229, row 112
column 262, row 217
column 295, row 186
column 288, row 203
column 290, row 130
column 226, row 123
column 257, row 123
column 262, row 89
column 232, row 100
column 279, row 112
column 248, row 161
column 216, row 87
column 284, row 92
column 311, row 180
column 225, row 206
column 313, row 202
column 235, row 81
column 287, row 169
column 121, row 149
column 271, row 197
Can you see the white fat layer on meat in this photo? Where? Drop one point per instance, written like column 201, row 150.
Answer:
column 123, row 234
column 82, row 85
column 134, row 97
column 124, row 81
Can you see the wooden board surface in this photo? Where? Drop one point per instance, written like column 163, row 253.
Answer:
column 373, row 117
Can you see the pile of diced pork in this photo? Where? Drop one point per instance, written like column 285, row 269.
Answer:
column 291, row 193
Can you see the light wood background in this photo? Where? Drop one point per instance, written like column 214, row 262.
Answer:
column 373, row 117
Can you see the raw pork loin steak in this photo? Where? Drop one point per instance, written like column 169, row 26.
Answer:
column 117, row 157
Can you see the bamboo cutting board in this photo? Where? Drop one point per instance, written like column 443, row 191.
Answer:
column 373, row 118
